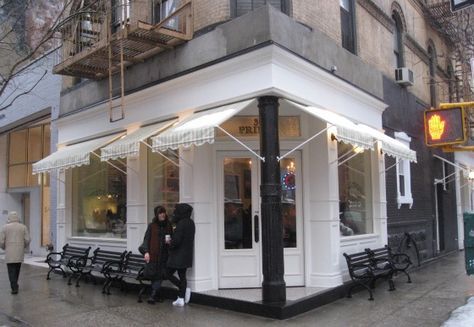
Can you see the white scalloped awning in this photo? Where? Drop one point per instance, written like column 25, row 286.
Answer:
column 72, row 155
column 198, row 128
column 390, row 146
column 129, row 145
column 346, row 130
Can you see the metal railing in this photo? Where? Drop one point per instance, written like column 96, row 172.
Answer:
column 104, row 20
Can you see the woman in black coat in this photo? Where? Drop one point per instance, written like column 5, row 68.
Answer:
column 155, row 251
column 181, row 251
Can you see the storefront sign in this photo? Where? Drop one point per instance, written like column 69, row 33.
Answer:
column 249, row 126
column 444, row 126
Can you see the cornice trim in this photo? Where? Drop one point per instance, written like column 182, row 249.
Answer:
column 378, row 14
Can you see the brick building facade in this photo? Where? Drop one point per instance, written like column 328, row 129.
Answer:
column 336, row 56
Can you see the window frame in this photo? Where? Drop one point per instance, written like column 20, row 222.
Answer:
column 76, row 200
column 347, row 156
column 285, row 7
column 432, row 74
column 407, row 198
column 398, row 40
column 351, row 24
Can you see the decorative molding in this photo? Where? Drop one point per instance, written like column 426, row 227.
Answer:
column 417, row 49
column 398, row 9
column 378, row 14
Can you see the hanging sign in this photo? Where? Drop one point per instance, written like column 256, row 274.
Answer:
column 445, row 126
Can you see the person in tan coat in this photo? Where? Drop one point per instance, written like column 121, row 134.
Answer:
column 14, row 238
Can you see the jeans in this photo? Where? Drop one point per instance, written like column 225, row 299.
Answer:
column 13, row 274
column 181, row 283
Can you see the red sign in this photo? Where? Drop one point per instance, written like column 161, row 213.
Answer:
column 444, row 126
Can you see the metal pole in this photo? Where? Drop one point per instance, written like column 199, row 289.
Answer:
column 273, row 286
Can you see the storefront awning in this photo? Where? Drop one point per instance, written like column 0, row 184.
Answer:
column 129, row 145
column 389, row 145
column 346, row 130
column 72, row 156
column 198, row 128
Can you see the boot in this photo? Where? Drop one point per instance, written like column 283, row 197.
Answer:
column 152, row 298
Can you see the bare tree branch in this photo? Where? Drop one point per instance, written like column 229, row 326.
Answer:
column 23, row 93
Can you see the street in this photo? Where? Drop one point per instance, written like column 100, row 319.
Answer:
column 437, row 289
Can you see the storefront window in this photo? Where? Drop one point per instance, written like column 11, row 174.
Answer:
column 355, row 191
column 99, row 200
column 288, row 201
column 163, row 181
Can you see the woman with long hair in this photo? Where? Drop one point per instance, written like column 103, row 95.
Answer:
column 155, row 251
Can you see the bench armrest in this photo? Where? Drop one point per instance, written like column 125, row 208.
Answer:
column 76, row 260
column 50, row 255
column 112, row 266
column 402, row 260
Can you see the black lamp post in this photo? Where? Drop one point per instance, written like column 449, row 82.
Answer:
column 273, row 286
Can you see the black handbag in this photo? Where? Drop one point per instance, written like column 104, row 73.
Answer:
column 150, row 271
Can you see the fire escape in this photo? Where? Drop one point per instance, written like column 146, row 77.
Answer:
column 102, row 37
column 452, row 26
column 457, row 28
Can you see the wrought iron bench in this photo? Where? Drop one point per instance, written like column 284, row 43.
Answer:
column 133, row 267
column 100, row 263
column 69, row 261
column 365, row 273
column 399, row 262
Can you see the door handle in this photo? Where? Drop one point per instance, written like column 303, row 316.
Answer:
column 256, row 229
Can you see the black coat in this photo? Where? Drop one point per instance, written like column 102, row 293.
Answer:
column 160, row 264
column 181, row 249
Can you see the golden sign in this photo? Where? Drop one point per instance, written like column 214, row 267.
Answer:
column 249, row 126
column 436, row 127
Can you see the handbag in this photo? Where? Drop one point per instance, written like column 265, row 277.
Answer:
column 150, row 271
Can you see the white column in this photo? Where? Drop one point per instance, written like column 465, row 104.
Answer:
column 197, row 186
column 61, row 226
column 137, row 213
column 379, row 198
column 459, row 207
column 321, row 202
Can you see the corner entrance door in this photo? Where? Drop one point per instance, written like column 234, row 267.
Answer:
column 239, row 238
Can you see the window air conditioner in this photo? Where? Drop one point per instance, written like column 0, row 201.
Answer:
column 404, row 76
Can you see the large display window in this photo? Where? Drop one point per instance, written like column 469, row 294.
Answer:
column 355, row 190
column 99, row 200
column 163, row 181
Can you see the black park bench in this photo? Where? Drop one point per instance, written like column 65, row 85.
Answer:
column 69, row 261
column 133, row 267
column 365, row 272
column 399, row 262
column 99, row 263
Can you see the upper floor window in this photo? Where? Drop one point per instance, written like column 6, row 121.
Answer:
column 26, row 147
column 404, row 195
column 452, row 90
column 397, row 42
column 162, row 9
column 348, row 25
column 241, row 7
column 120, row 13
column 432, row 70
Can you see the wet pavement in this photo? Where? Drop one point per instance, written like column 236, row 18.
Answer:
column 437, row 289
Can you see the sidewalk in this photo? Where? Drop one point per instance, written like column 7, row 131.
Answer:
column 437, row 289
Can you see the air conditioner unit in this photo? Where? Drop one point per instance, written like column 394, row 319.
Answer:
column 404, row 76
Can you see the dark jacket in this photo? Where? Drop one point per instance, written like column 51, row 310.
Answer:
column 181, row 248
column 159, row 259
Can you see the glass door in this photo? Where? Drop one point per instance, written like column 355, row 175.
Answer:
column 240, row 221
column 239, row 264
